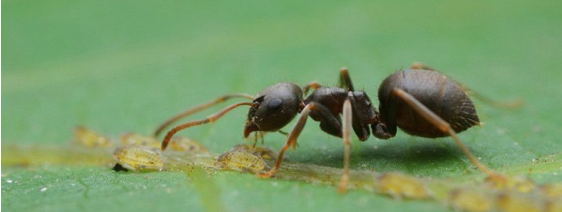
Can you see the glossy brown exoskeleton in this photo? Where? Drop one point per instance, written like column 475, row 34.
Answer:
column 420, row 101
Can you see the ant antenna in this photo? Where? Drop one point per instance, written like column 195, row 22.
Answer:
column 199, row 108
column 210, row 119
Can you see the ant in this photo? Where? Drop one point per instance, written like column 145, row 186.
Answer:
column 420, row 101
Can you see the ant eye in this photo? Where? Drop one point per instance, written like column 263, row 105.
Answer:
column 274, row 104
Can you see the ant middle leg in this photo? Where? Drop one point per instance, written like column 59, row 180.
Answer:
column 199, row 108
column 314, row 85
column 441, row 125
column 345, row 80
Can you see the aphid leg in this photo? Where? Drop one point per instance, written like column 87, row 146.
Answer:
column 314, row 85
column 443, row 126
column 513, row 104
column 418, row 65
column 291, row 140
column 345, row 80
column 199, row 108
column 210, row 119
column 346, row 134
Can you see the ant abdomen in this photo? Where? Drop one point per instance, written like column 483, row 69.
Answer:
column 439, row 93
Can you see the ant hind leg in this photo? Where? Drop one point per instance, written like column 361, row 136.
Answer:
column 513, row 104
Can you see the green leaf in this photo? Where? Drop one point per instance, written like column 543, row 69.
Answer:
column 121, row 66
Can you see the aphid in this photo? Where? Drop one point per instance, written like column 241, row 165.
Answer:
column 399, row 185
column 554, row 206
column 553, row 191
column 135, row 139
column 470, row 200
column 516, row 202
column 265, row 153
column 89, row 138
column 138, row 157
column 242, row 160
column 517, row 184
column 181, row 144
column 420, row 101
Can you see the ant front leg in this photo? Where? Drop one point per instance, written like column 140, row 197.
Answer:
column 199, row 108
column 346, row 134
column 292, row 139
column 441, row 125
column 258, row 135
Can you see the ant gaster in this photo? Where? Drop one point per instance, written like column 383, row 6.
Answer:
column 420, row 101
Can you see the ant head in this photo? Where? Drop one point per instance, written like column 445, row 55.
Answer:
column 273, row 108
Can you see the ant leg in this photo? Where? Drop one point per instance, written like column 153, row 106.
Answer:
column 418, row 65
column 314, row 85
column 199, row 108
column 255, row 139
column 345, row 80
column 210, row 119
column 291, row 140
column 442, row 125
column 517, row 103
column 346, row 134
column 258, row 135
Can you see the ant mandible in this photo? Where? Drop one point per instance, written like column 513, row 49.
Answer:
column 420, row 101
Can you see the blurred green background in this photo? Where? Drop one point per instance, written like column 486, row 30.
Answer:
column 121, row 66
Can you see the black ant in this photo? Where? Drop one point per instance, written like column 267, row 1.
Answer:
column 420, row 101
